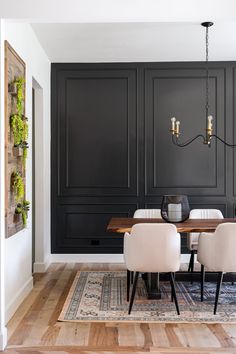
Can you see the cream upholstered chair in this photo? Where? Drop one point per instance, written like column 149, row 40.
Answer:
column 216, row 252
column 148, row 213
column 152, row 248
column 192, row 237
column 142, row 213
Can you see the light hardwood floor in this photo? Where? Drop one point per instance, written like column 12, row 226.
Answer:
column 34, row 328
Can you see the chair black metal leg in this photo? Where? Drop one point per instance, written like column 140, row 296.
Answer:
column 189, row 265
column 128, row 284
column 172, row 295
column 191, row 262
column 192, row 266
column 202, row 280
column 133, row 292
column 172, row 282
column 132, row 277
column 219, row 282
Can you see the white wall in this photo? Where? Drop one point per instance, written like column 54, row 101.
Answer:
column 18, row 248
column 3, row 333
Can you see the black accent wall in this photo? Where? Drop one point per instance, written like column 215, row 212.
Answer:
column 111, row 148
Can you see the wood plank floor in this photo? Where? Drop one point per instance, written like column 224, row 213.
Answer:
column 34, row 328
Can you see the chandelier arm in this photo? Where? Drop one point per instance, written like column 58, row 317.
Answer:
column 175, row 124
column 188, row 142
column 224, row 142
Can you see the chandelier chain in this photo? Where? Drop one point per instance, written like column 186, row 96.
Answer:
column 207, row 72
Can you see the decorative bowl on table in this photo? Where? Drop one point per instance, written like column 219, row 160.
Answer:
column 175, row 208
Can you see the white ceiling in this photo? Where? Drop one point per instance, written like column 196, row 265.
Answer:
column 100, row 11
column 127, row 42
column 128, row 30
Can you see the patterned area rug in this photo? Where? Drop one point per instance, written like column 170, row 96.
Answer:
column 101, row 296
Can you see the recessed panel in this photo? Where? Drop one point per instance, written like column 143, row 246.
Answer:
column 97, row 133
column 85, row 226
column 196, row 167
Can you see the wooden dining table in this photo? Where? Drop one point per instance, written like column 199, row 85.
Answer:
column 122, row 225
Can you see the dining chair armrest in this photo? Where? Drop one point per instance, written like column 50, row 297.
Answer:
column 129, row 245
column 128, row 242
column 127, row 234
column 205, row 246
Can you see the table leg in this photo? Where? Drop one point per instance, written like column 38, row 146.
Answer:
column 152, row 285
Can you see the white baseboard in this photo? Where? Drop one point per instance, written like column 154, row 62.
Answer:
column 14, row 303
column 41, row 267
column 87, row 258
column 3, row 338
column 97, row 258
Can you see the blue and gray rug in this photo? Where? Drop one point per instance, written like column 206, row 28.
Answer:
column 101, row 296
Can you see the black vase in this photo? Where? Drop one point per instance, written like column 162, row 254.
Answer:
column 175, row 208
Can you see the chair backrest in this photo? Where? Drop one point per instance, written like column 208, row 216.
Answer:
column 192, row 238
column 148, row 213
column 152, row 248
column 222, row 251
column 205, row 214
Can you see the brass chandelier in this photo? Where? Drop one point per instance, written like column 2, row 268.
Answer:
column 207, row 137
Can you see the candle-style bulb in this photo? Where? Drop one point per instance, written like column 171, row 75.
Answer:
column 210, row 119
column 177, row 128
column 173, row 120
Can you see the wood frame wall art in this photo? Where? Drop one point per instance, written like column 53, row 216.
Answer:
column 14, row 163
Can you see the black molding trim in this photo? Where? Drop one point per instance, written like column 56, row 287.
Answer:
column 134, row 179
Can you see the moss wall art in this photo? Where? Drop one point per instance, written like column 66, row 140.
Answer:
column 16, row 144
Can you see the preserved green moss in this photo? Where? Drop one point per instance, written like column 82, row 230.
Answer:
column 17, row 185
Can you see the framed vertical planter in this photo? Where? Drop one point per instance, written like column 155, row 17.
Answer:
column 16, row 133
